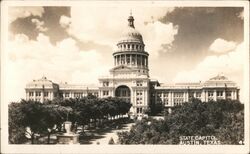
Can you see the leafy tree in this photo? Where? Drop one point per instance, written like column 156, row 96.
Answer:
column 223, row 119
column 16, row 127
column 111, row 141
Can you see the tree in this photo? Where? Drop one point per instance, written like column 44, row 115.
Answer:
column 16, row 126
column 223, row 119
column 111, row 141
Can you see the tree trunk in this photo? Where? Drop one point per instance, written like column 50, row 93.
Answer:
column 32, row 138
column 48, row 141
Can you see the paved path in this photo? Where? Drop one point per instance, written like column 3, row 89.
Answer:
column 113, row 134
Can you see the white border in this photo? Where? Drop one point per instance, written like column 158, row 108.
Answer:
column 5, row 148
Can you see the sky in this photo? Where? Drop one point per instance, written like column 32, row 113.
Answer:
column 75, row 44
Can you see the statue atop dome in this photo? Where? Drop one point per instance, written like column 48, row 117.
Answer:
column 131, row 21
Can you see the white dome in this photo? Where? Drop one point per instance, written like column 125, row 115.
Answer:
column 130, row 34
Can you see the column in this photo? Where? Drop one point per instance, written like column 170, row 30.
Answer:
column 42, row 96
column 162, row 98
column 172, row 97
column 169, row 98
column 146, row 97
column 156, row 97
column 136, row 60
column 52, row 95
column 130, row 59
column 119, row 59
column 34, row 96
column 141, row 60
column 187, row 96
column 206, row 94
column 27, row 95
column 203, row 96
column 215, row 95
column 224, row 94
column 125, row 58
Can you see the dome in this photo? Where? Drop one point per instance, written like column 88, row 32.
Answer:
column 130, row 34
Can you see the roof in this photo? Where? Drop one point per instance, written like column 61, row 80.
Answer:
column 41, row 83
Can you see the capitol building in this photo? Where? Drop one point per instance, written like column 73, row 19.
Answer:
column 129, row 79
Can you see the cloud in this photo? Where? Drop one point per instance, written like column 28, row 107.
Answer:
column 39, row 25
column 65, row 21
column 241, row 15
column 28, row 59
column 221, row 46
column 158, row 35
column 22, row 12
column 230, row 64
column 87, row 24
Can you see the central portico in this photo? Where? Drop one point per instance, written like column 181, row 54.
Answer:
column 129, row 78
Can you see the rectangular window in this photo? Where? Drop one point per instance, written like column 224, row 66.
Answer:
column 105, row 93
column 198, row 95
column 133, row 59
column 228, row 93
column 178, row 94
column 46, row 94
column 96, row 94
column 210, row 94
column 105, row 84
column 38, row 93
column 31, row 94
column 166, row 101
column 139, row 83
column 165, row 95
column 77, row 95
column 219, row 93
column 66, row 94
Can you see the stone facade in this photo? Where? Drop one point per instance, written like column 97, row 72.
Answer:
column 129, row 79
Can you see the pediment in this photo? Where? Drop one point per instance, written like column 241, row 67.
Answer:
column 121, row 68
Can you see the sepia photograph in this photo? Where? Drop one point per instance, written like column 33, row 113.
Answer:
column 142, row 76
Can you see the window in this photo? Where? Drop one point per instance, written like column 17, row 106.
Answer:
column 105, row 84
column 122, row 59
column 165, row 95
column 77, row 95
column 139, row 83
column 66, row 94
column 178, row 94
column 133, row 46
column 96, row 94
column 165, row 100
column 228, row 93
column 128, row 59
column 139, row 110
column 219, row 93
column 210, row 94
column 46, row 94
column 136, row 47
column 198, row 94
column 139, row 93
column 105, row 93
column 128, row 46
column 31, row 94
column 38, row 93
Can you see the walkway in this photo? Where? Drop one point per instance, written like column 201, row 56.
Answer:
column 106, row 137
